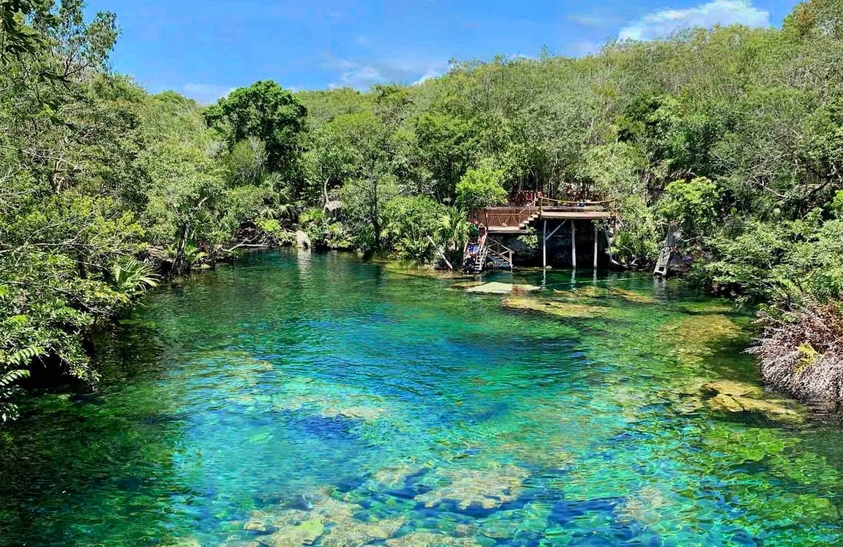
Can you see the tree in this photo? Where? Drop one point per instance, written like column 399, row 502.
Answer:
column 481, row 187
column 370, row 182
column 448, row 147
column 267, row 112
column 16, row 37
column 817, row 18
column 690, row 205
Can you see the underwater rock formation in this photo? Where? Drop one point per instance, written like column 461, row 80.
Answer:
column 558, row 308
column 485, row 488
column 429, row 539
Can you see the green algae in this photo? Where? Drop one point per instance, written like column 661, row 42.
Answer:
column 320, row 400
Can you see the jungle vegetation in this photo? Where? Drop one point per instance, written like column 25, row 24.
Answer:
column 734, row 135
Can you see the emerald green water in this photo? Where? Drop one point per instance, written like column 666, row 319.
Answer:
column 320, row 398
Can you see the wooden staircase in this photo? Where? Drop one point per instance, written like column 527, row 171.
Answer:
column 527, row 221
column 491, row 253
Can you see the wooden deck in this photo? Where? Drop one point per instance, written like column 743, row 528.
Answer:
column 517, row 220
column 574, row 215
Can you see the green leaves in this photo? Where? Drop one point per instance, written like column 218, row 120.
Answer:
column 264, row 111
column 690, row 205
column 481, row 187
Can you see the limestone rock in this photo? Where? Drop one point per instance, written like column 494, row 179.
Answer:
column 430, row 539
column 295, row 536
column 365, row 413
column 725, row 402
column 262, row 526
column 733, row 388
column 185, row 542
column 562, row 309
column 356, row 534
column 487, row 488
column 395, row 475
column 501, row 288
column 736, row 403
column 302, row 240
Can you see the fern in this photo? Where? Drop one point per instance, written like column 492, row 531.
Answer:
column 8, row 410
column 132, row 276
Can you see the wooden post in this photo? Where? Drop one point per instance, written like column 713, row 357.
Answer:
column 544, row 246
column 441, row 253
column 596, row 244
column 574, row 244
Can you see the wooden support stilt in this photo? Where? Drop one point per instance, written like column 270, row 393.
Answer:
column 545, row 238
column 596, row 244
column 441, row 252
column 544, row 246
column 574, row 244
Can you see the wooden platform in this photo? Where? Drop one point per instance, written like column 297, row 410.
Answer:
column 518, row 220
column 574, row 215
column 506, row 230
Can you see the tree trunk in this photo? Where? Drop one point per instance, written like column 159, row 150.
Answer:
column 178, row 264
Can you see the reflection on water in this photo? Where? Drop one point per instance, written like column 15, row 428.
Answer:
column 315, row 399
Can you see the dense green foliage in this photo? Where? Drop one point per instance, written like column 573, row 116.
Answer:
column 732, row 135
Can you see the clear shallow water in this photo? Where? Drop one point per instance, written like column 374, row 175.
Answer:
column 321, row 398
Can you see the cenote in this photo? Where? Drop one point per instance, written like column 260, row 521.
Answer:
column 317, row 399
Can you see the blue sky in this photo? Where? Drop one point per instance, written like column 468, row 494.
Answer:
column 204, row 48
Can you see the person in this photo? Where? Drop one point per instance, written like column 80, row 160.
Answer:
column 473, row 230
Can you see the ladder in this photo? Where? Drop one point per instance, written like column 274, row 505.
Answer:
column 480, row 259
column 663, row 264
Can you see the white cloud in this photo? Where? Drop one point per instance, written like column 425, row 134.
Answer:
column 206, row 93
column 719, row 12
column 361, row 75
column 430, row 74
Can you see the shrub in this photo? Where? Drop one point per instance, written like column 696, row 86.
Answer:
column 409, row 223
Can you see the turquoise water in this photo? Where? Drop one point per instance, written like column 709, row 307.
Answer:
column 301, row 398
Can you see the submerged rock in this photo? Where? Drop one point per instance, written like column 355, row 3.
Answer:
column 695, row 338
column 501, row 288
column 330, row 520
column 259, row 525
column 732, row 388
column 736, row 403
column 356, row 534
column 632, row 296
column 430, row 539
column 486, row 488
column 584, row 292
column 557, row 308
column 184, row 542
column 395, row 475
column 733, row 396
column 365, row 413
column 295, row 535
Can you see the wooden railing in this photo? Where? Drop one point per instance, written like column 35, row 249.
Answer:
column 548, row 202
column 504, row 216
